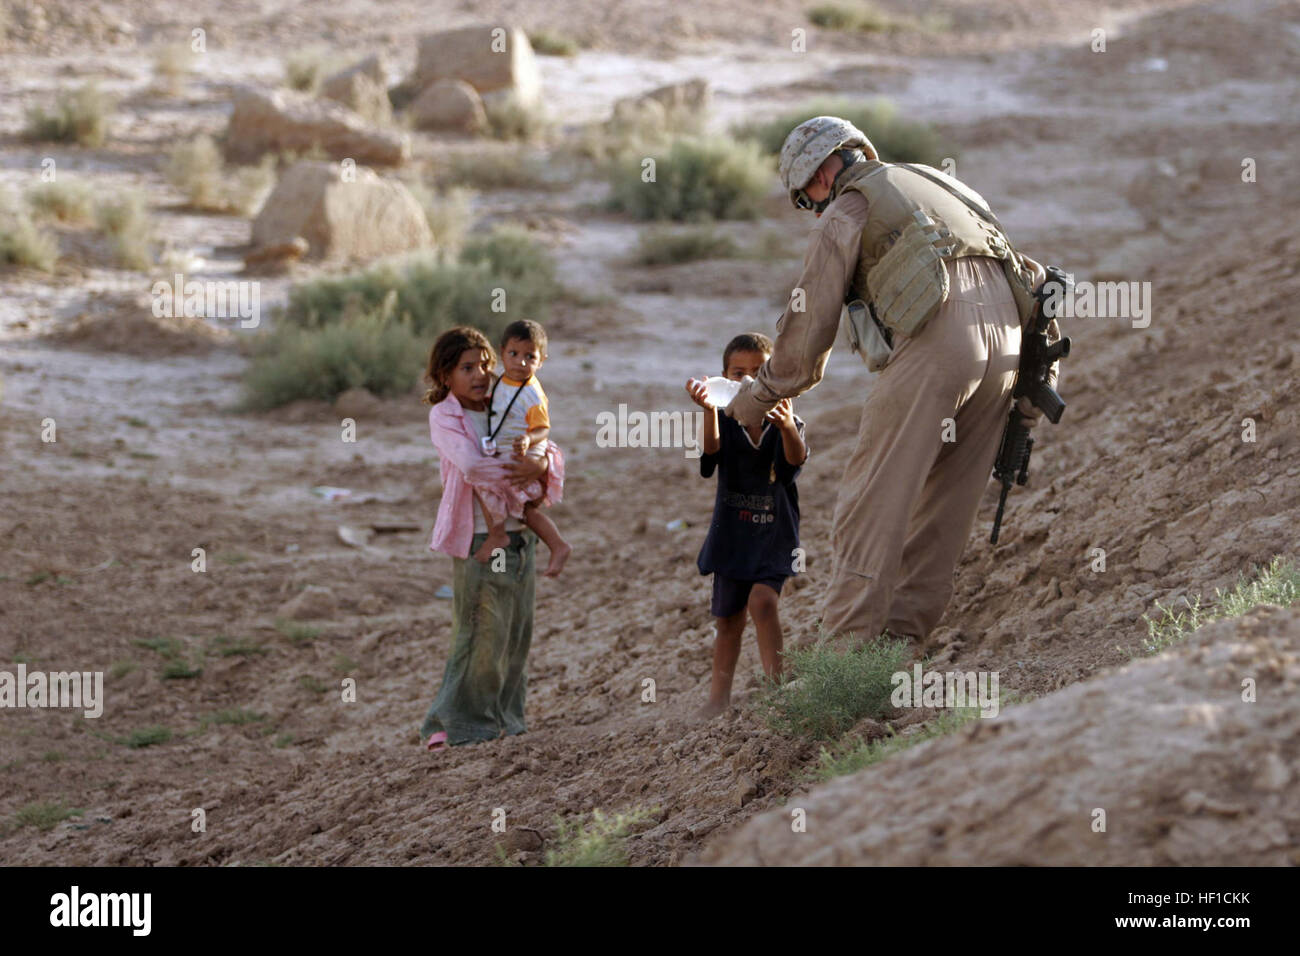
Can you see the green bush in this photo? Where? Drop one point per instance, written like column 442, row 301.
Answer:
column 1278, row 583
column 80, row 116
column 599, row 841
column 44, row 815
column 434, row 295
column 551, row 43
column 148, row 737
column 305, row 69
column 862, row 17
column 509, row 119
column 835, row 684
column 694, row 180
column 197, row 169
column 364, row 350
column 663, row 247
column 897, row 140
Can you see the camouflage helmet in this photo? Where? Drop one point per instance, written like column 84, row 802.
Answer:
column 808, row 145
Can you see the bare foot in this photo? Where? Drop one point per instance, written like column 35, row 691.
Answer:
column 494, row 540
column 712, row 709
column 558, row 557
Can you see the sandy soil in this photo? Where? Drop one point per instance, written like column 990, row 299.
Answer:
column 96, row 531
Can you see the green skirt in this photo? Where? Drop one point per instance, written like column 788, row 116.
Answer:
column 482, row 692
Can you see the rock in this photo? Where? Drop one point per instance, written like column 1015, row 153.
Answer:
column 364, row 96
column 489, row 58
column 357, row 403
column 312, row 604
column 449, row 105
column 746, row 790
column 276, row 256
column 522, row 840
column 1023, row 789
column 1153, row 557
column 285, row 120
column 364, row 218
column 372, row 68
column 690, row 96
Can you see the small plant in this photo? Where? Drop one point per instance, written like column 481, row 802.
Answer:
column 148, row 737
column 67, row 200
column 305, row 69
column 551, row 43
column 694, row 180
column 598, row 841
column 1278, row 583
column 664, row 247
column 510, row 119
column 448, row 214
column 197, row 169
column 835, row 684
column 472, row 172
column 312, row 685
column 224, row 646
column 169, row 648
column 80, row 116
column 44, row 815
column 344, row 664
column 297, row 632
column 180, row 670
column 120, row 669
column 859, row 17
column 23, row 243
column 237, row 717
column 125, row 221
column 172, row 64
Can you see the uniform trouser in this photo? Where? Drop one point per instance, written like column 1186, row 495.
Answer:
column 483, row 688
column 909, row 497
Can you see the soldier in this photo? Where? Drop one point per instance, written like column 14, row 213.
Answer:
column 949, row 297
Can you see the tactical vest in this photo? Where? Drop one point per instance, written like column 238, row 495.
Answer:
column 913, row 224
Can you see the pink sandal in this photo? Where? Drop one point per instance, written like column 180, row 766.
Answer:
column 436, row 742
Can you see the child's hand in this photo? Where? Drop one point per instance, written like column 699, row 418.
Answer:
column 782, row 414
column 521, row 445
column 697, row 390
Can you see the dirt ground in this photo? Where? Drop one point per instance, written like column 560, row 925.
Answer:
column 1123, row 166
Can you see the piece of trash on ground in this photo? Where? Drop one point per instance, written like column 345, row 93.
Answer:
column 330, row 493
column 445, row 592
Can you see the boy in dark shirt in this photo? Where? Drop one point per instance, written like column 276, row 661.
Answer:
column 750, row 548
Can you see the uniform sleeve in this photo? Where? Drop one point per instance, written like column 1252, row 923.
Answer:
column 786, row 473
column 805, row 336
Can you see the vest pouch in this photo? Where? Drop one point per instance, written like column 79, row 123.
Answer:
column 910, row 281
column 865, row 337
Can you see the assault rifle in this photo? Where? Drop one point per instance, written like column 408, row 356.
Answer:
column 1036, row 360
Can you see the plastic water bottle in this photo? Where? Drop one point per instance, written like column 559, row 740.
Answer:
column 719, row 391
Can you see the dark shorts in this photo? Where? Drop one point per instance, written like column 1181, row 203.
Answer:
column 730, row 595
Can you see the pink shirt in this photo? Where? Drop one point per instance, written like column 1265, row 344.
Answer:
column 462, row 465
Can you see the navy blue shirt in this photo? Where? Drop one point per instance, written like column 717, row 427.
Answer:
column 755, row 523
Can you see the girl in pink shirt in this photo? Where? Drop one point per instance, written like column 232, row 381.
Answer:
column 483, row 688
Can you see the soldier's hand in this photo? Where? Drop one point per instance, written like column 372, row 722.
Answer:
column 1029, row 412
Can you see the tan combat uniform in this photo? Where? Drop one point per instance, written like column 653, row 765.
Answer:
column 908, row 497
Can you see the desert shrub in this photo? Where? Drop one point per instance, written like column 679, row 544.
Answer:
column 23, row 243
column 474, row 171
column 148, row 737
column 124, row 220
column 304, row 70
column 663, row 247
column 834, row 685
column 859, row 17
column 1278, row 583
column 897, row 140
column 434, row 295
column 44, row 815
column 172, row 64
column 369, row 350
column 448, row 213
column 198, row 170
column 600, row 840
column 79, row 116
column 508, row 118
column 553, row 43
column 67, row 200
column 694, row 180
